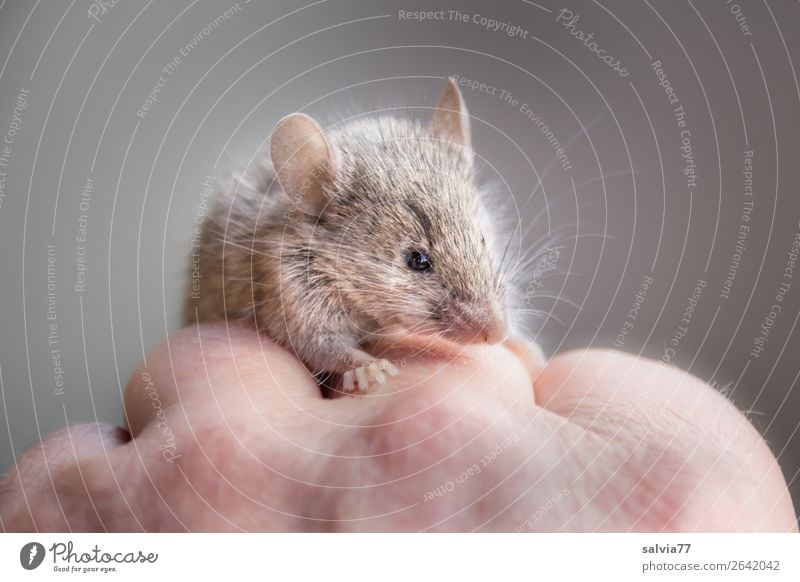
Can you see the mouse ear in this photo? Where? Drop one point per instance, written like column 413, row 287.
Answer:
column 303, row 161
column 451, row 119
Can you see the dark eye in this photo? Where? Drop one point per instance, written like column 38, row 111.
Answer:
column 418, row 261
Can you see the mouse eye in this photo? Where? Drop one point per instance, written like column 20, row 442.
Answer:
column 418, row 261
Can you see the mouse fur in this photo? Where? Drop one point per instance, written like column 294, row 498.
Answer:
column 314, row 246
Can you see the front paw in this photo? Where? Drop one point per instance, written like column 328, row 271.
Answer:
column 362, row 376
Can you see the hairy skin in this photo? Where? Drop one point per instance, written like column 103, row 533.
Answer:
column 605, row 442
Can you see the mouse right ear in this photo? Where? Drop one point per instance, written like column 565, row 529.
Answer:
column 451, row 119
column 303, row 161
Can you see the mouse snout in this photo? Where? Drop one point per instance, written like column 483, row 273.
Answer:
column 495, row 329
column 494, row 332
column 474, row 324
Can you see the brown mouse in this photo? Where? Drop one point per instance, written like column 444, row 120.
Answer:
column 372, row 228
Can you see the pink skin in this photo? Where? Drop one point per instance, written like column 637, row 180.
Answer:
column 240, row 439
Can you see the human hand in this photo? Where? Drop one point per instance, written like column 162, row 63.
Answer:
column 229, row 432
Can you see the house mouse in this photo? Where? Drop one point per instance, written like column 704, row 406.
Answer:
column 371, row 229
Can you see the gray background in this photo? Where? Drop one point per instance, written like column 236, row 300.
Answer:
column 623, row 211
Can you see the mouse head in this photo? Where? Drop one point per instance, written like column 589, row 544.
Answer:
column 397, row 220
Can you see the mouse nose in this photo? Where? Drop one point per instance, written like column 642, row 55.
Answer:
column 472, row 323
column 495, row 330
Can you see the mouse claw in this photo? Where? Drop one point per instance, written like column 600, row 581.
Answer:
column 378, row 376
column 361, row 378
column 347, row 382
column 375, row 373
column 372, row 371
column 390, row 368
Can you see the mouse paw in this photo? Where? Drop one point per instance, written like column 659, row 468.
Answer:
column 362, row 376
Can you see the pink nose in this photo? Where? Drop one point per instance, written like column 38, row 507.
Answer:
column 495, row 332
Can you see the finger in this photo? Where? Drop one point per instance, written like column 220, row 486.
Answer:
column 574, row 383
column 216, row 362
column 587, row 385
column 434, row 371
column 30, row 494
column 641, row 400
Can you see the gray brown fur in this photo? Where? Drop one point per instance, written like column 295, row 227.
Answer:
column 323, row 285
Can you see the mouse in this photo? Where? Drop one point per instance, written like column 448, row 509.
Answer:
column 372, row 228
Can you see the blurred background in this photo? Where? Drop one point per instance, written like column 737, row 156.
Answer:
column 650, row 149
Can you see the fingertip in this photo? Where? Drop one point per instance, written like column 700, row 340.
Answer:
column 576, row 377
column 44, row 472
column 226, row 360
column 422, row 376
column 612, row 378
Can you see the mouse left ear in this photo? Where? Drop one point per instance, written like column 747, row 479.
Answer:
column 451, row 119
column 303, row 160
